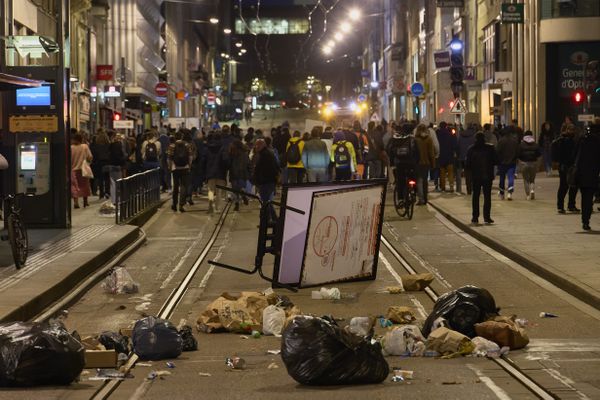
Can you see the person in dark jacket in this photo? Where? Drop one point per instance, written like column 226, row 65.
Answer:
column 199, row 164
column 528, row 155
column 448, row 147
column 100, row 148
column 216, row 170
column 481, row 159
column 545, row 140
column 587, row 164
column 266, row 171
column 506, row 152
column 466, row 139
column 564, row 154
column 239, row 170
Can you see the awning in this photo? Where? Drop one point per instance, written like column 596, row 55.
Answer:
column 12, row 82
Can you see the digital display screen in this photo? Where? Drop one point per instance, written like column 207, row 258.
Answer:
column 39, row 96
column 28, row 160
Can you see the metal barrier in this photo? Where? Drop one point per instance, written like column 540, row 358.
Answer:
column 136, row 194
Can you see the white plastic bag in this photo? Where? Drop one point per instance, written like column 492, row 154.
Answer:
column 404, row 340
column 361, row 326
column 485, row 348
column 119, row 282
column 273, row 320
column 326, row 294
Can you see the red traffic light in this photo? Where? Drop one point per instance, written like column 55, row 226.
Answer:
column 116, row 117
column 578, row 97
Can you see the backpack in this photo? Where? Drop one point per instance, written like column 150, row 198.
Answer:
column 342, row 155
column 117, row 155
column 151, row 154
column 403, row 151
column 292, row 154
column 181, row 155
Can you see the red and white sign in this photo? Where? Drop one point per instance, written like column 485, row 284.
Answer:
column 211, row 98
column 161, row 89
column 104, row 72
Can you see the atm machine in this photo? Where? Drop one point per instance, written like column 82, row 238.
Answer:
column 37, row 147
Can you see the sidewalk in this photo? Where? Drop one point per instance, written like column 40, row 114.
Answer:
column 532, row 233
column 59, row 259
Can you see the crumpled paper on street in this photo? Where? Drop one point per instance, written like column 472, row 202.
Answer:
column 240, row 314
column 504, row 331
column 415, row 283
column 400, row 315
column 450, row 343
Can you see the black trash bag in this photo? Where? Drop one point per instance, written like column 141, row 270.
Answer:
column 156, row 339
column 462, row 309
column 189, row 341
column 33, row 354
column 318, row 352
column 113, row 340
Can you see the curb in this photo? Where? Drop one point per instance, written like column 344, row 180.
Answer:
column 536, row 267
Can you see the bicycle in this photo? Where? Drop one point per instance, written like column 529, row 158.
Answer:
column 16, row 233
column 405, row 207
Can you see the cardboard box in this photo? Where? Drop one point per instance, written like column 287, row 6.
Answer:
column 100, row 359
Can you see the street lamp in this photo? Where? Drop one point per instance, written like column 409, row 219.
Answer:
column 345, row 27
column 214, row 20
column 354, row 14
column 239, row 44
column 338, row 36
column 227, row 31
column 327, row 50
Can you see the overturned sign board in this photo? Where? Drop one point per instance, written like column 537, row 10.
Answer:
column 338, row 238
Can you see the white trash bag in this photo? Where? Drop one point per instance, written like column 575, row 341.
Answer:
column 405, row 340
column 273, row 320
column 119, row 282
column 485, row 348
column 361, row 326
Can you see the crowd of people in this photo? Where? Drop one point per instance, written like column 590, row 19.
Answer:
column 255, row 162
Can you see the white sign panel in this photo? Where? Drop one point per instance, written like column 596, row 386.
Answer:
column 123, row 124
column 343, row 235
column 504, row 78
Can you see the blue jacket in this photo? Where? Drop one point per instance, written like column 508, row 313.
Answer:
column 315, row 154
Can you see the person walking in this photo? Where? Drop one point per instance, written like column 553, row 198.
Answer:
column 529, row 152
column 100, row 149
column 216, row 163
column 151, row 151
column 180, row 157
column 426, row 161
column 81, row 157
column 266, row 171
column 563, row 153
column 490, row 135
column 165, row 141
column 447, row 155
column 506, row 152
column 587, row 170
column 315, row 157
column 466, row 139
column 546, row 138
column 343, row 157
column 293, row 157
column 480, row 161
column 239, row 170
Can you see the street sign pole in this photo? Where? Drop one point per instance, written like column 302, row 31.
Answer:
column 123, row 84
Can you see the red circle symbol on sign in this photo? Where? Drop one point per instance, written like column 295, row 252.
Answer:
column 325, row 236
column 161, row 89
column 211, row 97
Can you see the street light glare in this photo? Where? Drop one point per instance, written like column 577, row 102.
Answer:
column 227, row 31
column 331, row 43
column 238, row 44
column 214, row 20
column 354, row 14
column 327, row 50
column 338, row 36
column 345, row 27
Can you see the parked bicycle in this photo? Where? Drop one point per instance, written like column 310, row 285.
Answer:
column 14, row 230
column 405, row 204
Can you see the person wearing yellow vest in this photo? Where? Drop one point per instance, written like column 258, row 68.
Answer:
column 293, row 157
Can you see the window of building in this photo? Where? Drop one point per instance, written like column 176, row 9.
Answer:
column 490, row 50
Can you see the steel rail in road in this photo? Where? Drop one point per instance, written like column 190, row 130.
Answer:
column 169, row 306
column 503, row 362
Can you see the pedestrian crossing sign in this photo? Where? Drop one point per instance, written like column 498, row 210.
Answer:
column 458, row 107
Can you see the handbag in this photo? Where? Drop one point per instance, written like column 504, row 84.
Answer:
column 86, row 170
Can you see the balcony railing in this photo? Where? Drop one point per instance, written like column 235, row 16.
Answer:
column 570, row 8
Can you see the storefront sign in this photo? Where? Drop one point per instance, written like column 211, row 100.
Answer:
column 112, row 91
column 504, row 78
column 513, row 13
column 450, row 3
column 441, row 59
column 123, row 124
column 104, row 72
column 33, row 123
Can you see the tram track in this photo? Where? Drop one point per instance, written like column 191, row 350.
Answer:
column 503, row 362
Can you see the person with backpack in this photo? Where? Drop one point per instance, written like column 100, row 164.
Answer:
column 426, row 161
column 529, row 152
column 293, row 157
column 343, row 157
column 480, row 161
column 151, row 151
column 361, row 149
column 403, row 154
column 180, row 157
column 216, row 166
column 315, row 157
column 563, row 153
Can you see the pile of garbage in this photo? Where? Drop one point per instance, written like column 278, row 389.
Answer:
column 119, row 281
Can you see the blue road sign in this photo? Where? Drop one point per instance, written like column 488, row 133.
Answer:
column 362, row 97
column 417, row 89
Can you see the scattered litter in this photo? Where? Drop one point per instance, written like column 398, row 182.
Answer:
column 451, row 383
column 157, row 374
column 170, row 365
column 189, row 342
column 204, row 374
column 316, row 351
column 243, row 337
column 156, row 339
column 449, row 343
column 394, row 289
column 403, row 373
column 396, row 378
column 415, row 283
column 273, row 366
column 504, row 331
column 256, row 334
column 36, row 354
column 385, row 323
column 119, row 281
column 273, row 318
column 106, row 373
column 107, row 208
column 235, row 313
column 274, row 352
column 235, row 363
column 485, row 348
column 547, row 315
column 326, row 294
column 113, row 340
column 400, row 315
column 361, row 326
column 405, row 340
column 143, row 364
column 462, row 309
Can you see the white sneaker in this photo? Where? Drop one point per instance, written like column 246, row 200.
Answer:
column 532, row 195
column 509, row 196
